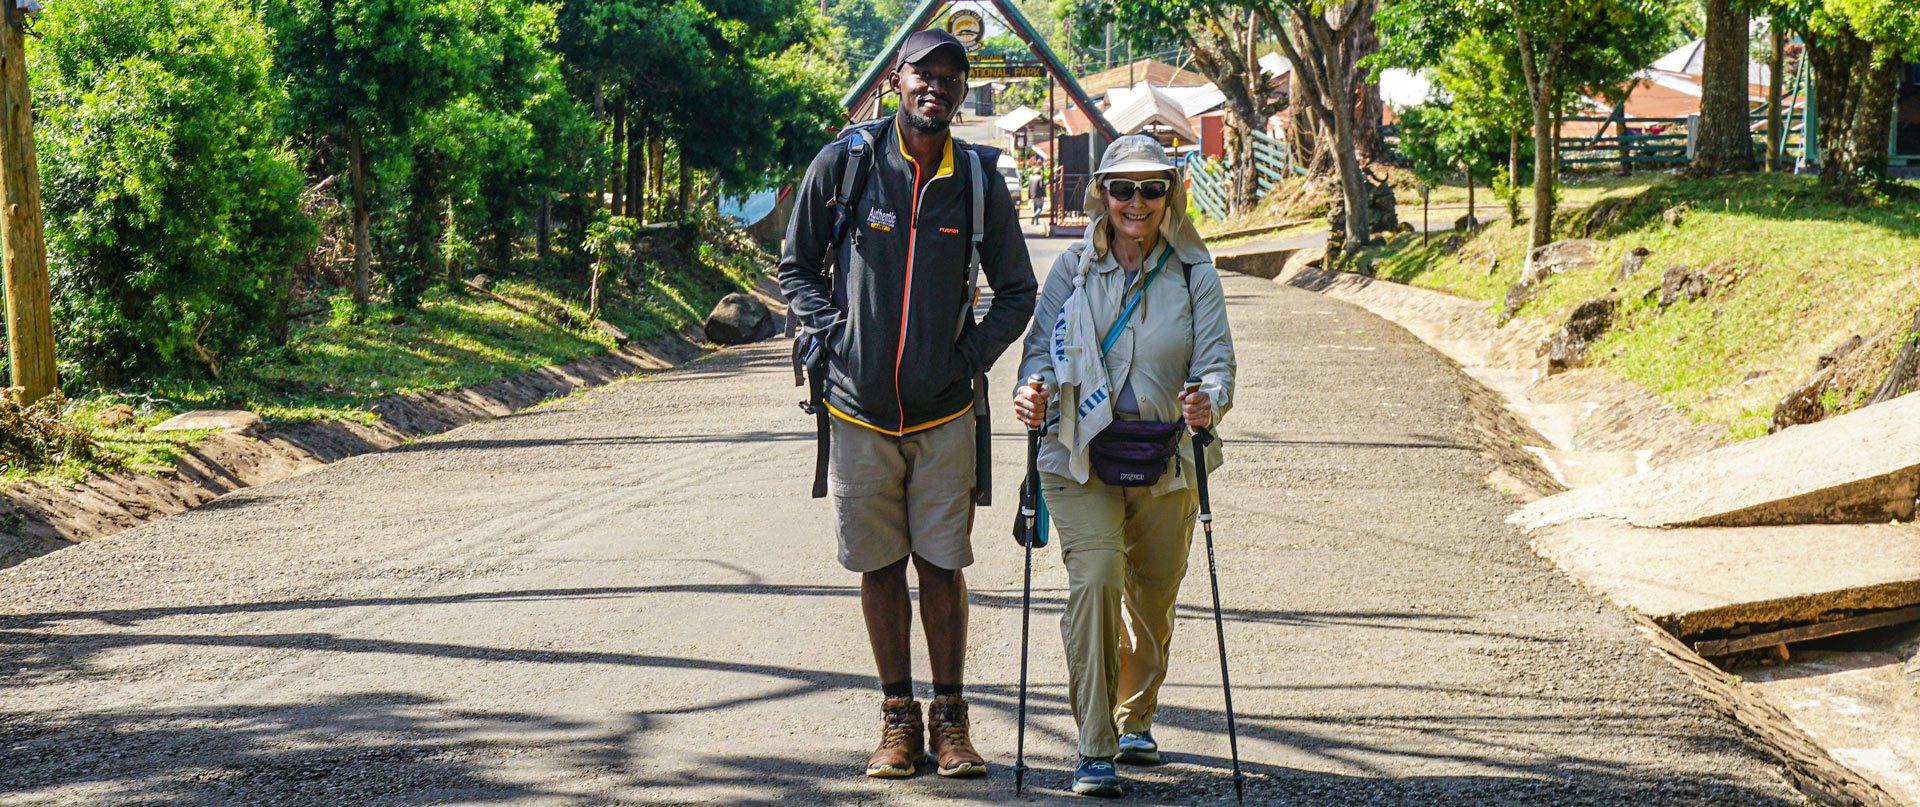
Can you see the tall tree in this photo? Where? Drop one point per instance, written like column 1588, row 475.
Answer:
column 1220, row 36
column 361, row 68
column 726, row 81
column 1314, row 34
column 1854, row 48
column 173, row 204
column 1564, row 47
column 1369, row 109
column 865, row 28
column 1481, row 76
column 1724, row 143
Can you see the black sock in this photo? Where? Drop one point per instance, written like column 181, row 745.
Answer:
column 946, row 689
column 897, row 689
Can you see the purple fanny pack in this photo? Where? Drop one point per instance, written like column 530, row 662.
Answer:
column 1133, row 453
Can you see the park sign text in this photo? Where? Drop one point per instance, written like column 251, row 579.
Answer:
column 990, row 68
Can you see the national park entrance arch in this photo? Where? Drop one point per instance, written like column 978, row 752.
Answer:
column 1069, row 156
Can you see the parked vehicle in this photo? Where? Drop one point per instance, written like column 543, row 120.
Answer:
column 1010, row 168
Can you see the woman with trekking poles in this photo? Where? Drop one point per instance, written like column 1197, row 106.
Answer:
column 1130, row 335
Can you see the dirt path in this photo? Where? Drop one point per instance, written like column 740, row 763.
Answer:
column 626, row 598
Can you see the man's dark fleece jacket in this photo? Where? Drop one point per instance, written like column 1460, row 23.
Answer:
column 903, row 347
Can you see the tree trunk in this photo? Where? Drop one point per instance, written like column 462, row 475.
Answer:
column 637, row 170
column 1316, row 60
column 1352, row 184
column 1620, row 135
column 1724, row 144
column 1776, row 64
column 1856, row 83
column 360, row 250
column 686, row 187
column 1219, row 47
column 1513, row 159
column 1559, row 125
column 543, row 228
column 1302, row 119
column 617, row 175
column 1543, row 170
column 1472, row 220
column 29, row 309
column 1368, row 108
column 599, row 114
column 656, row 170
column 593, row 287
column 1239, row 153
column 1542, row 93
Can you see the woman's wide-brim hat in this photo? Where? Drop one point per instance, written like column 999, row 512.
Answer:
column 1129, row 154
column 1134, row 153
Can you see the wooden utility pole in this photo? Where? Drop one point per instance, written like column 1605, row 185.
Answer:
column 22, row 242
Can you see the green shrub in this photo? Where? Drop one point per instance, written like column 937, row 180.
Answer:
column 172, row 206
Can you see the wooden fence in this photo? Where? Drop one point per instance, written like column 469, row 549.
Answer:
column 1657, row 142
column 1210, row 186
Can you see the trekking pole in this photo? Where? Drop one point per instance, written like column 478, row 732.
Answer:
column 1029, row 513
column 1201, row 437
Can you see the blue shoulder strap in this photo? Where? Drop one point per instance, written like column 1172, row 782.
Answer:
column 1119, row 324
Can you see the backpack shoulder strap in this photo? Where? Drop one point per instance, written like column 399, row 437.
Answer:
column 976, row 218
column 809, row 349
column 860, row 141
column 976, row 190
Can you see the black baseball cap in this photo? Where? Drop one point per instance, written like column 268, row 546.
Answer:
column 925, row 41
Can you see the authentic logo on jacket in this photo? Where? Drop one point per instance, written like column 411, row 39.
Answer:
column 880, row 220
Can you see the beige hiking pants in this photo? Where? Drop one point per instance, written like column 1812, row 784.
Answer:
column 1125, row 552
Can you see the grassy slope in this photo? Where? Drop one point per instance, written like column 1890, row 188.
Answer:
column 1796, row 274
column 332, row 367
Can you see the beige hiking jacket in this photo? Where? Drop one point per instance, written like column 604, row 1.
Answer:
column 1175, row 332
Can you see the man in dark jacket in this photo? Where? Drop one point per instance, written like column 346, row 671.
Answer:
column 902, row 354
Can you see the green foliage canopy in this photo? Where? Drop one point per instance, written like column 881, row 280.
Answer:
column 172, row 204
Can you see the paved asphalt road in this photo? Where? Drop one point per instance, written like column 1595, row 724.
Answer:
column 626, row 597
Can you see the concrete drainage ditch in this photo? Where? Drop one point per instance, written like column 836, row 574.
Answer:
column 1782, row 573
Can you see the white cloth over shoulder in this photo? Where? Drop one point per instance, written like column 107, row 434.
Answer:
column 1082, row 376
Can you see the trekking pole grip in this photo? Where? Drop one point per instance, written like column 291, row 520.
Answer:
column 1202, row 434
column 1039, row 384
column 1201, row 437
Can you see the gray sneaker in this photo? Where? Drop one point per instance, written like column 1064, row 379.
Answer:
column 1095, row 776
column 1138, row 749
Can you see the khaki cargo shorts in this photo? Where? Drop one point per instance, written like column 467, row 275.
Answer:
column 895, row 496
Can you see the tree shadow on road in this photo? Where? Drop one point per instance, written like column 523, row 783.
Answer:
column 756, row 436
column 397, row 748
column 1522, row 747
column 17, row 630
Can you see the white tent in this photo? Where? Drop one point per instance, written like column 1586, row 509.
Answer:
column 1196, row 100
column 1275, row 65
column 1400, row 88
column 1017, row 119
column 1146, row 106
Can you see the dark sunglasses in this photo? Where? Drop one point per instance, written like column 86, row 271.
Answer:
column 1122, row 189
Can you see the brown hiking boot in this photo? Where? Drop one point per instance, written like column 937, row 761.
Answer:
column 947, row 733
column 903, row 741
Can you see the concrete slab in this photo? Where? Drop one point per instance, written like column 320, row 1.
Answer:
column 1269, row 263
column 233, row 421
column 1693, row 580
column 1860, row 467
column 1859, row 707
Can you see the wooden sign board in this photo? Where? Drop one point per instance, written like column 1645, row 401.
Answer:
column 1004, row 69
